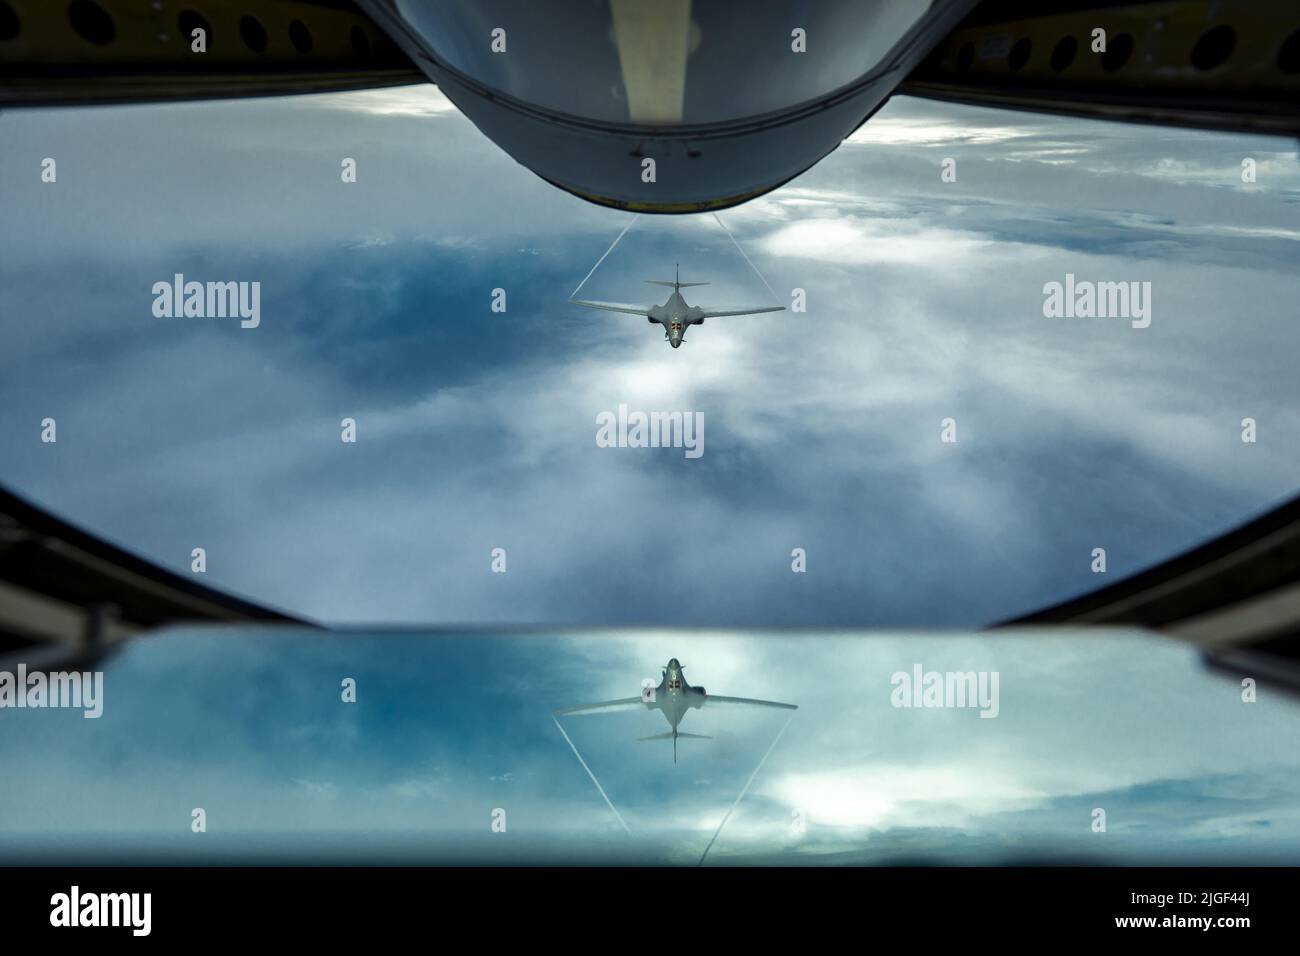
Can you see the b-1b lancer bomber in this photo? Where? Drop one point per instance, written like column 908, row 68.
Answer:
column 673, row 698
column 675, row 314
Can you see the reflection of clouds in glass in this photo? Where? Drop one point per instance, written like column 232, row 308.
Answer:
column 888, row 795
column 448, row 728
column 863, row 773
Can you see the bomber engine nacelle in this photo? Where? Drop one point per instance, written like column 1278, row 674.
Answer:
column 651, row 319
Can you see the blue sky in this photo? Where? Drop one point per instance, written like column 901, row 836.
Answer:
column 477, row 430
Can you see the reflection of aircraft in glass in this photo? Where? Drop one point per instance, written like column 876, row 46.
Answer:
column 673, row 698
column 675, row 314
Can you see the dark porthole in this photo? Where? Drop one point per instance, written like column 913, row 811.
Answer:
column 1118, row 50
column 965, row 56
column 91, row 22
column 9, row 24
column 300, row 36
column 252, row 33
column 1288, row 57
column 1063, row 54
column 1214, row 47
column 360, row 42
column 188, row 22
column 1019, row 54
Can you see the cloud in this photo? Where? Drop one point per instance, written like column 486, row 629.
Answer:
column 891, row 130
column 419, row 99
column 477, row 429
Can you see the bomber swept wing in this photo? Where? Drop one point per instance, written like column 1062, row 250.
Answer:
column 605, row 706
column 745, row 310
column 614, row 306
column 716, row 699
